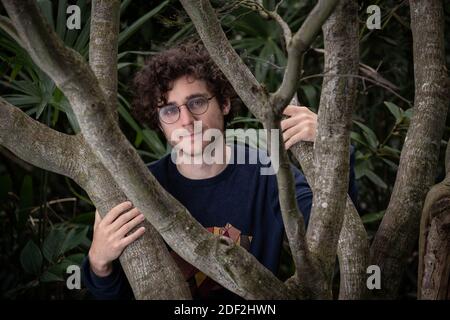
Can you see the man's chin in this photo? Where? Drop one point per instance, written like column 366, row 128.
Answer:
column 189, row 149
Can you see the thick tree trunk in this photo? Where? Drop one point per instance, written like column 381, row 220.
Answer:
column 331, row 147
column 151, row 272
column 268, row 109
column 399, row 228
column 434, row 243
column 434, row 258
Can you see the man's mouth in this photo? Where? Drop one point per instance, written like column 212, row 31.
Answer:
column 193, row 135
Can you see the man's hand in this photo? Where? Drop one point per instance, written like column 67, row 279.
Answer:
column 111, row 236
column 301, row 125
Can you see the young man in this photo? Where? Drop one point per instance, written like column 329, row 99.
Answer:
column 182, row 92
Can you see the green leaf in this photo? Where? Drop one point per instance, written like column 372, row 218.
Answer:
column 124, row 5
column 76, row 258
column 310, row 93
column 31, row 258
column 46, row 9
column 50, row 277
column 390, row 163
column 74, row 238
column 361, row 167
column 389, row 151
column 81, row 45
column 15, row 71
column 408, row 113
column 358, row 138
column 84, row 218
column 372, row 217
column 21, row 100
column 128, row 32
column 61, row 19
column 60, row 269
column 375, row 179
column 128, row 118
column 123, row 65
column 141, row 53
column 369, row 134
column 52, row 247
column 187, row 29
column 139, row 139
column 153, row 141
column 396, row 111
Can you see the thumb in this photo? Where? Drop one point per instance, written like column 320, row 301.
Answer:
column 97, row 219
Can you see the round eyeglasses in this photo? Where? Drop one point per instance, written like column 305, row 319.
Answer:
column 196, row 105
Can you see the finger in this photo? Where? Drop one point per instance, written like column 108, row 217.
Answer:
column 303, row 135
column 291, row 110
column 130, row 225
column 97, row 219
column 308, row 125
column 287, row 134
column 132, row 237
column 117, row 211
column 292, row 121
column 125, row 218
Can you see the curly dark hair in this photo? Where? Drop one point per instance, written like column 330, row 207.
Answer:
column 156, row 78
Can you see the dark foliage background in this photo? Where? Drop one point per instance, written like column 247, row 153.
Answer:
column 46, row 219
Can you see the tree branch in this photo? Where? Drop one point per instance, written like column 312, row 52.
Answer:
column 223, row 261
column 105, row 20
column 331, row 147
column 295, row 50
column 7, row 26
column 44, row 147
column 433, row 281
column 146, row 262
column 258, row 7
column 353, row 254
column 398, row 231
column 211, row 33
column 353, row 245
column 293, row 221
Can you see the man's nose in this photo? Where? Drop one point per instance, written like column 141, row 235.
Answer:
column 186, row 117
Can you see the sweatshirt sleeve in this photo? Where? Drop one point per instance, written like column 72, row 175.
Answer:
column 304, row 194
column 112, row 287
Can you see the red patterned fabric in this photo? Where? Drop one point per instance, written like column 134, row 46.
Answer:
column 200, row 284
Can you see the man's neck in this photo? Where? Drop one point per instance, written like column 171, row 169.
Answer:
column 202, row 170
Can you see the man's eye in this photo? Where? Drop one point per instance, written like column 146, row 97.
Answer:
column 197, row 103
column 169, row 110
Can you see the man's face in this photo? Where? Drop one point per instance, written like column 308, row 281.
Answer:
column 181, row 133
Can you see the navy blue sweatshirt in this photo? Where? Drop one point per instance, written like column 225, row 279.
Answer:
column 239, row 202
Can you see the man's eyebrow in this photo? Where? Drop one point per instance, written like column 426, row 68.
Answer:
column 194, row 95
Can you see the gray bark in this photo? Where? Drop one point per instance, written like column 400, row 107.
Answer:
column 433, row 278
column 300, row 42
column 105, row 21
column 399, row 228
column 331, row 147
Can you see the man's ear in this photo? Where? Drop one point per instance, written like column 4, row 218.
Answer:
column 226, row 106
